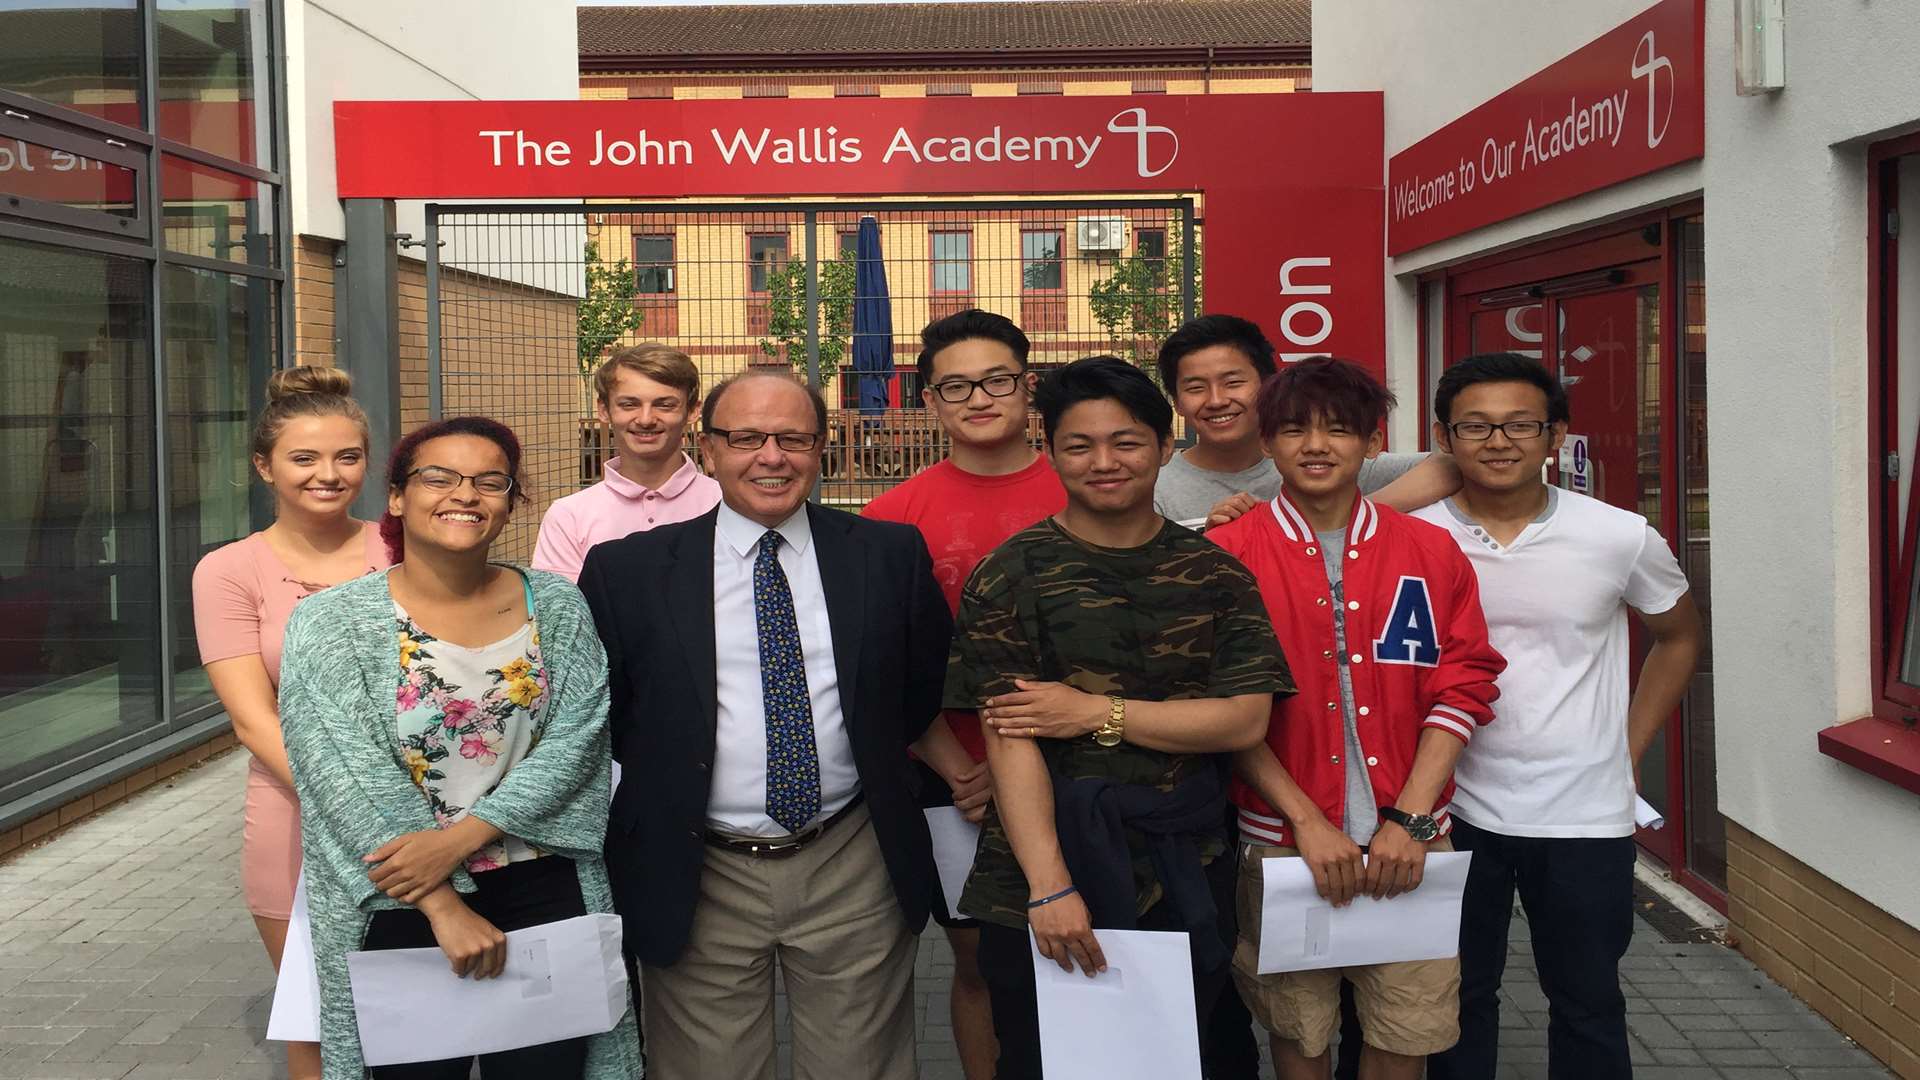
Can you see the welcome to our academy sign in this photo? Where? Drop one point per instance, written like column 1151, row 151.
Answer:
column 1289, row 183
column 1626, row 104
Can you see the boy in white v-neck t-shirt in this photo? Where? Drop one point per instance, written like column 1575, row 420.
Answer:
column 1544, row 796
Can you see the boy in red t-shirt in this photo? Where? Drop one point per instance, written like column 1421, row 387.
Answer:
column 973, row 366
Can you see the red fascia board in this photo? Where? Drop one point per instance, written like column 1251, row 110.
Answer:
column 995, row 59
column 1878, row 747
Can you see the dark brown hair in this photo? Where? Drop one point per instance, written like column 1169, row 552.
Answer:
column 1322, row 386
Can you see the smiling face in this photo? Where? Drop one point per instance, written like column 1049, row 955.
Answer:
column 317, row 466
column 1321, row 457
column 768, row 484
column 648, row 418
column 1215, row 392
column 1501, row 463
column 1107, row 458
column 981, row 420
column 463, row 519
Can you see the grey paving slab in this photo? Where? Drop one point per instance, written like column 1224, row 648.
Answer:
column 126, row 954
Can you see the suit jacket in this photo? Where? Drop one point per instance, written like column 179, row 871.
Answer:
column 651, row 594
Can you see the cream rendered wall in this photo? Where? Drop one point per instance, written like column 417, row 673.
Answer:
column 1785, row 192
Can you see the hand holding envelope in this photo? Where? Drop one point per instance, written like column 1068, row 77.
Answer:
column 1299, row 931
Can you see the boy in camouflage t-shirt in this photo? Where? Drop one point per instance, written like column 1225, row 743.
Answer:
column 1115, row 658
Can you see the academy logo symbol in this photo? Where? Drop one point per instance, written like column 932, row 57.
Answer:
column 1143, row 134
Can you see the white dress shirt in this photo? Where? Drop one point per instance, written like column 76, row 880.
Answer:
column 738, row 803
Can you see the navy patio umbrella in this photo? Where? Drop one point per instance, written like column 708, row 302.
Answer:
column 872, row 321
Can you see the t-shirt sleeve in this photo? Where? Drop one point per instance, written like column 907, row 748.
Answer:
column 1656, row 582
column 226, row 613
column 1246, row 654
column 990, row 645
column 557, row 551
column 1384, row 469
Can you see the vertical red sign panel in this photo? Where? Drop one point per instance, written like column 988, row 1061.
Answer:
column 1626, row 104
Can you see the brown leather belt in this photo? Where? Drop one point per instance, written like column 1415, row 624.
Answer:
column 780, row 847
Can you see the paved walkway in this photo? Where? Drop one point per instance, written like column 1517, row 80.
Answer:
column 125, row 952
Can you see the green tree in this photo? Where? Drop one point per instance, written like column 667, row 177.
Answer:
column 787, row 314
column 1139, row 303
column 607, row 311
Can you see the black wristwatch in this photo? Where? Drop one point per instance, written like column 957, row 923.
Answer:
column 1421, row 827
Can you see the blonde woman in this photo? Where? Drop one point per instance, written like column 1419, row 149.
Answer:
column 310, row 447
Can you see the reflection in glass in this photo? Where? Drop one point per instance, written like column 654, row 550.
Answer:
column 1040, row 260
column 219, row 332
column 215, row 90
column 217, row 214
column 40, row 172
column 1706, row 829
column 83, row 54
column 78, row 618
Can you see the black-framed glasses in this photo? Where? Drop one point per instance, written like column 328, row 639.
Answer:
column 955, row 391
column 440, row 481
column 1481, row 431
column 744, row 439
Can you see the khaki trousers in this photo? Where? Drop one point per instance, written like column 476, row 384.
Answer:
column 829, row 916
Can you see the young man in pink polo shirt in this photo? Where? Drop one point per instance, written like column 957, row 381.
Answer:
column 647, row 396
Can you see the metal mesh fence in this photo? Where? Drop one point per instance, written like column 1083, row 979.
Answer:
column 523, row 302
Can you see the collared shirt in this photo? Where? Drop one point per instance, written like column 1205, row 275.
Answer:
column 738, row 803
column 615, row 507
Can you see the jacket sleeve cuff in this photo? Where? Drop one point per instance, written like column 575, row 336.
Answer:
column 1452, row 721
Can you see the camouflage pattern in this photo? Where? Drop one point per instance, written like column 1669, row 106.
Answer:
column 1175, row 619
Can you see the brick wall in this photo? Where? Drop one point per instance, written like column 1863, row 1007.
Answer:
column 313, row 276
column 47, row 824
column 1854, row 963
column 803, row 83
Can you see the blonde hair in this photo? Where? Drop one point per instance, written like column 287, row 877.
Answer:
column 305, row 391
column 661, row 363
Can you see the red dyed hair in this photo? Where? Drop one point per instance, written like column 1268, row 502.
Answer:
column 404, row 452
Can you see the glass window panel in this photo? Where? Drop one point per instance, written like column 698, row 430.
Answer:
column 219, row 339
column 78, row 592
column 83, row 55
column 215, row 85
column 216, row 214
column 653, row 264
column 952, row 262
column 1040, row 260
column 40, row 172
column 850, row 243
column 765, row 253
column 1150, row 243
column 1706, row 829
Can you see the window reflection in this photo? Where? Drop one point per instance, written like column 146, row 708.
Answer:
column 83, row 54
column 52, row 175
column 78, row 619
column 216, row 214
column 212, row 53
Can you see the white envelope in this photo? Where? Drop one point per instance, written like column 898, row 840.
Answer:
column 955, row 840
column 562, row 980
column 1301, row 932
column 1133, row 1019
column 296, row 996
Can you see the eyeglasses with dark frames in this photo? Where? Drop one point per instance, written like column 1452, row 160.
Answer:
column 955, row 391
column 791, row 441
column 441, row 480
column 1481, row 431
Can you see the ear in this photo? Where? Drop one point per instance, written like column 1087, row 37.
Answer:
column 1556, row 436
column 1167, row 447
column 394, row 500
column 707, row 453
column 1376, row 441
column 261, row 469
column 1442, row 438
column 926, row 397
column 600, row 410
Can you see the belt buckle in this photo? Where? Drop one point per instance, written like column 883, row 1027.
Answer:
column 778, row 848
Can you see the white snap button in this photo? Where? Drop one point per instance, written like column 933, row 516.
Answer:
column 1353, row 605
column 1356, row 658
column 1354, row 554
column 1373, row 761
column 1311, row 550
column 1364, row 710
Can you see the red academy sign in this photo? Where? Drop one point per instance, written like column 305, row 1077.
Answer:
column 1628, row 103
column 1290, row 183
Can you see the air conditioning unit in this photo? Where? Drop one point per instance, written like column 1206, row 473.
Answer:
column 1102, row 233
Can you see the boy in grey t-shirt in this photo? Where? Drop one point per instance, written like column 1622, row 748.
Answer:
column 1212, row 368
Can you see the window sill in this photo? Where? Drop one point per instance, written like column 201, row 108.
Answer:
column 1877, row 747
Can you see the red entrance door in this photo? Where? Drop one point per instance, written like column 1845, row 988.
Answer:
column 1607, row 333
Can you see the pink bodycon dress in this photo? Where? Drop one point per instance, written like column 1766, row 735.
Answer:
column 243, row 595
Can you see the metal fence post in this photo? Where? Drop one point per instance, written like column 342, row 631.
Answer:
column 435, row 400
column 813, row 300
column 1190, row 268
column 371, row 337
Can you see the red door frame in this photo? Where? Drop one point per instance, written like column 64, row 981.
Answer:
column 1617, row 244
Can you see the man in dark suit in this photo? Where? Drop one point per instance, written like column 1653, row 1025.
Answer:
column 771, row 663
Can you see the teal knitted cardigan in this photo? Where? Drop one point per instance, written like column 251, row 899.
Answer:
column 337, row 714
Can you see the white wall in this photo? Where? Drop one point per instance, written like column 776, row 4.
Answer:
column 413, row 50
column 1784, row 182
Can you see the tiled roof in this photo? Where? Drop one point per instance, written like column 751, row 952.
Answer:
column 802, row 30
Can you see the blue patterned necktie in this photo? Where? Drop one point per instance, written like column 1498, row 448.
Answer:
column 793, row 764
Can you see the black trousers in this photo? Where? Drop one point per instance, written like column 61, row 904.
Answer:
column 1578, row 896
column 1006, row 963
column 514, row 897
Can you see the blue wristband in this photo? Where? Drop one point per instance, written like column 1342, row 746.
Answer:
column 1045, row 900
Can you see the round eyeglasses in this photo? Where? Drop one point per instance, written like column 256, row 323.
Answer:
column 955, row 391
column 1481, row 431
column 440, row 481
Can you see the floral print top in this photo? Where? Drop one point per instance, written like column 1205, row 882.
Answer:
column 466, row 716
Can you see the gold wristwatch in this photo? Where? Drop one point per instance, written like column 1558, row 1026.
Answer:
column 1111, row 732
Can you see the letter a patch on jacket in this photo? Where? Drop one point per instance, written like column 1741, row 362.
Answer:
column 1409, row 636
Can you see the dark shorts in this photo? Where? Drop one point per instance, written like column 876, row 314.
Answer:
column 934, row 792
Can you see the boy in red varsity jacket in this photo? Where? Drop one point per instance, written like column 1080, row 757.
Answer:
column 1379, row 617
